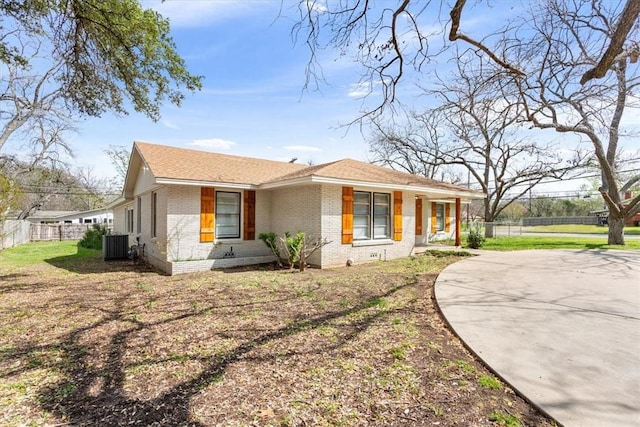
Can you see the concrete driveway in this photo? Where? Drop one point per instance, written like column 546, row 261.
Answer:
column 562, row 327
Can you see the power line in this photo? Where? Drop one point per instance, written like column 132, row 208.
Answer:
column 71, row 193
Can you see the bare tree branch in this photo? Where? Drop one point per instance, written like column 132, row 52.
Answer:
column 627, row 19
column 454, row 34
column 566, row 36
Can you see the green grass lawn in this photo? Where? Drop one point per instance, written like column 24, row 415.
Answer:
column 29, row 254
column 555, row 242
column 577, row 229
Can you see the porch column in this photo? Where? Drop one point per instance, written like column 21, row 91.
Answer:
column 458, row 221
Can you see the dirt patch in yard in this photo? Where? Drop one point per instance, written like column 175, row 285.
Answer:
column 86, row 342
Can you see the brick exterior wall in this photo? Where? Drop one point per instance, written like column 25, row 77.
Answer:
column 298, row 209
column 315, row 209
column 336, row 253
column 119, row 219
column 178, row 241
column 181, row 267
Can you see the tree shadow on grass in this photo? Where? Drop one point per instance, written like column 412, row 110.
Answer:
column 595, row 245
column 93, row 263
column 89, row 395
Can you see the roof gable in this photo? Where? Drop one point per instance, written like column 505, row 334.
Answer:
column 193, row 165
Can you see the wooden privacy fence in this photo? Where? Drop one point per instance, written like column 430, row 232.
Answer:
column 17, row 232
column 40, row 232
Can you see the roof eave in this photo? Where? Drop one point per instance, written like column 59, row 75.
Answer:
column 355, row 183
column 199, row 183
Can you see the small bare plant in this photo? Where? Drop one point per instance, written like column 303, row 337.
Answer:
column 296, row 248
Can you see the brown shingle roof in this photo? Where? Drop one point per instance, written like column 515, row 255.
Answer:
column 195, row 165
column 353, row 170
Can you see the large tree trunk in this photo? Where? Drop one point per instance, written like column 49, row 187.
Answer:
column 488, row 230
column 488, row 220
column 616, row 230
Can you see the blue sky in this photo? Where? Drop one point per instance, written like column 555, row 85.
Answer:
column 253, row 101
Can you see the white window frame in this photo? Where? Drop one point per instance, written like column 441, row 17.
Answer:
column 440, row 217
column 154, row 214
column 129, row 219
column 227, row 218
column 367, row 219
column 139, row 216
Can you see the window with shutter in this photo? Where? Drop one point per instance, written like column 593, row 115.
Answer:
column 367, row 215
column 207, row 217
column 347, row 215
column 227, row 215
column 249, row 223
column 434, row 217
column 397, row 215
column 447, row 217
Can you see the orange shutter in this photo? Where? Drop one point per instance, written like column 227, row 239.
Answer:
column 207, row 214
column 434, row 218
column 397, row 215
column 447, row 217
column 418, row 217
column 249, row 215
column 347, row 215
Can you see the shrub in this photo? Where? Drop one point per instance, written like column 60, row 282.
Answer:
column 92, row 238
column 271, row 240
column 293, row 247
column 297, row 248
column 475, row 239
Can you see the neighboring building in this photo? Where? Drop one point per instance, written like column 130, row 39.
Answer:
column 197, row 210
column 632, row 221
column 95, row 216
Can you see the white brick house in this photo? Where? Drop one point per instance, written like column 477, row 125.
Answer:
column 197, row 210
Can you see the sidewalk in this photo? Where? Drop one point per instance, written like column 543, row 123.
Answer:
column 562, row 327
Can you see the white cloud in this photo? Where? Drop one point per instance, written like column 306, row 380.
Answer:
column 360, row 89
column 318, row 6
column 170, row 125
column 213, row 143
column 301, row 148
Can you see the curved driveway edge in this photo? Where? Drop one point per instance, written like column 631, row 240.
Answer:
column 561, row 327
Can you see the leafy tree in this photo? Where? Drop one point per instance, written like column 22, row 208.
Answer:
column 106, row 52
column 59, row 58
column 10, row 197
column 545, row 206
column 53, row 186
column 513, row 212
